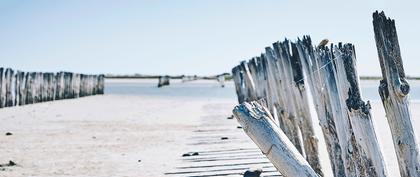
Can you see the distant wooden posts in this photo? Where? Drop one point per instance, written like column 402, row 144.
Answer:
column 221, row 80
column 19, row 88
column 163, row 80
column 394, row 90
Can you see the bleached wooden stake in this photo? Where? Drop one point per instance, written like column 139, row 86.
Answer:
column 368, row 153
column 258, row 124
column 394, row 90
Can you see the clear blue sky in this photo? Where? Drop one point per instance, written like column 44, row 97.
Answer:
column 188, row 36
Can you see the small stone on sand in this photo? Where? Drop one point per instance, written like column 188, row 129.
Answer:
column 195, row 153
column 8, row 134
column 11, row 163
column 186, row 155
column 253, row 173
column 224, row 138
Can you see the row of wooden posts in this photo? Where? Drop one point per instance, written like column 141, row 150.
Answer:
column 277, row 89
column 22, row 88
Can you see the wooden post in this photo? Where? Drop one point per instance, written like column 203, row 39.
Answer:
column 310, row 141
column 163, row 80
column 51, row 86
column 101, row 84
column 59, row 91
column 76, row 85
column 37, row 89
column 258, row 124
column 29, row 87
column 287, row 93
column 368, row 153
column 237, row 79
column 2, row 88
column 21, row 89
column 9, row 92
column 310, row 66
column 221, row 80
column 394, row 90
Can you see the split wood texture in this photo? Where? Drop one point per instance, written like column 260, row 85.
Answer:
column 21, row 88
column 394, row 90
column 291, row 76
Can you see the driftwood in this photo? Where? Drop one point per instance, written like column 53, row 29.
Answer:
column 259, row 125
column 394, row 90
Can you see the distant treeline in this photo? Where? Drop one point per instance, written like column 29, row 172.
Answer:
column 192, row 77
column 379, row 78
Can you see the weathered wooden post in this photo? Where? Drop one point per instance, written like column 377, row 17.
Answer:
column 368, row 153
column 76, row 85
column 9, row 92
column 237, row 78
column 29, row 87
column 18, row 79
column 2, row 89
column 101, row 83
column 21, row 89
column 82, row 85
column 394, row 90
column 311, row 66
column 51, row 86
column 310, row 141
column 258, row 124
column 221, row 80
column 283, row 81
column 59, row 91
column 163, row 80
column 44, row 87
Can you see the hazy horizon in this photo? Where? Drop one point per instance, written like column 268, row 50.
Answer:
column 188, row 37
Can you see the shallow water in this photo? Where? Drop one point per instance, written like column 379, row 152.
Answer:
column 212, row 89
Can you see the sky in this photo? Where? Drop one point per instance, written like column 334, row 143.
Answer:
column 202, row 37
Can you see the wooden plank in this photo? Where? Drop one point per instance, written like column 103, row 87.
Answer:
column 394, row 90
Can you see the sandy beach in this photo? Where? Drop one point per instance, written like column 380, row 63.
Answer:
column 129, row 135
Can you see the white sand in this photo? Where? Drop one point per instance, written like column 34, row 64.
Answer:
column 58, row 138
column 107, row 135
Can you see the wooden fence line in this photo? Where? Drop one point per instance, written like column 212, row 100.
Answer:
column 19, row 88
column 276, row 79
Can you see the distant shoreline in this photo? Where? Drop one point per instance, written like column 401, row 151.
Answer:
column 228, row 77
